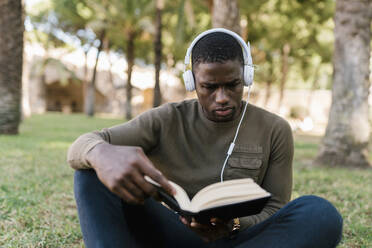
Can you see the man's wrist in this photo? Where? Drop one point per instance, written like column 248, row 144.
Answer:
column 91, row 155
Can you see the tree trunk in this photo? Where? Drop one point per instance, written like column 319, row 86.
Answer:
column 347, row 134
column 26, row 108
column 106, row 48
column 90, row 96
column 130, row 60
column 11, row 57
column 210, row 6
column 85, row 80
column 313, row 87
column 268, row 92
column 285, row 55
column 270, row 79
column 189, row 12
column 225, row 14
column 158, row 53
column 40, row 102
column 111, row 76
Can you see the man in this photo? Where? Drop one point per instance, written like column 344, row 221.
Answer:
column 186, row 142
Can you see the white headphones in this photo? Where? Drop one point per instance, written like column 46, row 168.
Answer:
column 248, row 69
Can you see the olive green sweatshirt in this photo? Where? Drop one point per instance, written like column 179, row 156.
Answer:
column 189, row 149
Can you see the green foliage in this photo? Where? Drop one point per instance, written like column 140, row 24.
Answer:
column 37, row 207
column 45, row 26
column 127, row 18
column 184, row 19
column 76, row 18
column 306, row 26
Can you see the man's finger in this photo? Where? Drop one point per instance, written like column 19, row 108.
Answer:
column 148, row 169
column 146, row 187
column 200, row 226
column 218, row 221
column 126, row 196
column 134, row 190
column 184, row 221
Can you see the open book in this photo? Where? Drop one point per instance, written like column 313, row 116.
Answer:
column 225, row 200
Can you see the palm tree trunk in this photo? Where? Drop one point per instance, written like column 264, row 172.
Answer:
column 347, row 134
column 210, row 6
column 270, row 79
column 313, row 87
column 91, row 88
column 111, row 76
column 225, row 14
column 26, row 108
column 189, row 12
column 130, row 59
column 268, row 92
column 158, row 53
column 285, row 55
column 11, row 59
column 85, row 79
column 41, row 86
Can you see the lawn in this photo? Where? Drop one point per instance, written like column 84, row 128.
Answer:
column 37, row 208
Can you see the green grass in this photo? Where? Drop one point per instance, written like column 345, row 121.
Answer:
column 37, row 207
column 350, row 191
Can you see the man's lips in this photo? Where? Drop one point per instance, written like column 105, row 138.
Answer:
column 223, row 111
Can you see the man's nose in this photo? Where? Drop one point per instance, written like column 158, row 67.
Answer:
column 221, row 96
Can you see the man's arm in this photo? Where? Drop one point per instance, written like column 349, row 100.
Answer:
column 278, row 177
column 143, row 131
column 122, row 168
column 117, row 155
column 77, row 152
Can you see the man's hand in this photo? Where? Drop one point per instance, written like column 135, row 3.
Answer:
column 122, row 168
column 209, row 232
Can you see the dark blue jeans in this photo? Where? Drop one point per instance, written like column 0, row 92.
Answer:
column 107, row 221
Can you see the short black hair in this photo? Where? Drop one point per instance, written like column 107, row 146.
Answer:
column 216, row 47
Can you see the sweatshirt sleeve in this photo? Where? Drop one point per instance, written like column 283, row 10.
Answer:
column 143, row 131
column 278, row 177
column 78, row 150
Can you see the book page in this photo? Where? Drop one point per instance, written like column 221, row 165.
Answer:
column 181, row 196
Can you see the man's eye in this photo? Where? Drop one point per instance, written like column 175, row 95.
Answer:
column 209, row 87
column 234, row 85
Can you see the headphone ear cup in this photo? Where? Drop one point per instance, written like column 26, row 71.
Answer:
column 248, row 75
column 188, row 78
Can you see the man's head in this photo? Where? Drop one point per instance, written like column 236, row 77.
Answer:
column 217, row 62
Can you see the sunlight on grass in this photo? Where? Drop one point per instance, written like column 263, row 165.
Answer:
column 37, row 207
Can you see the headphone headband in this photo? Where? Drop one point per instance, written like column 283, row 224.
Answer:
column 246, row 47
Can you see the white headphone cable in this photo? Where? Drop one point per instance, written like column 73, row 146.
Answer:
column 232, row 145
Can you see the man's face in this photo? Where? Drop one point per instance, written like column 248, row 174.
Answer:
column 219, row 87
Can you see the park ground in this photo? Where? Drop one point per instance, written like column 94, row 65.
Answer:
column 37, row 207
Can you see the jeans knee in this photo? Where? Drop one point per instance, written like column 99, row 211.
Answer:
column 324, row 216
column 84, row 181
column 322, row 207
